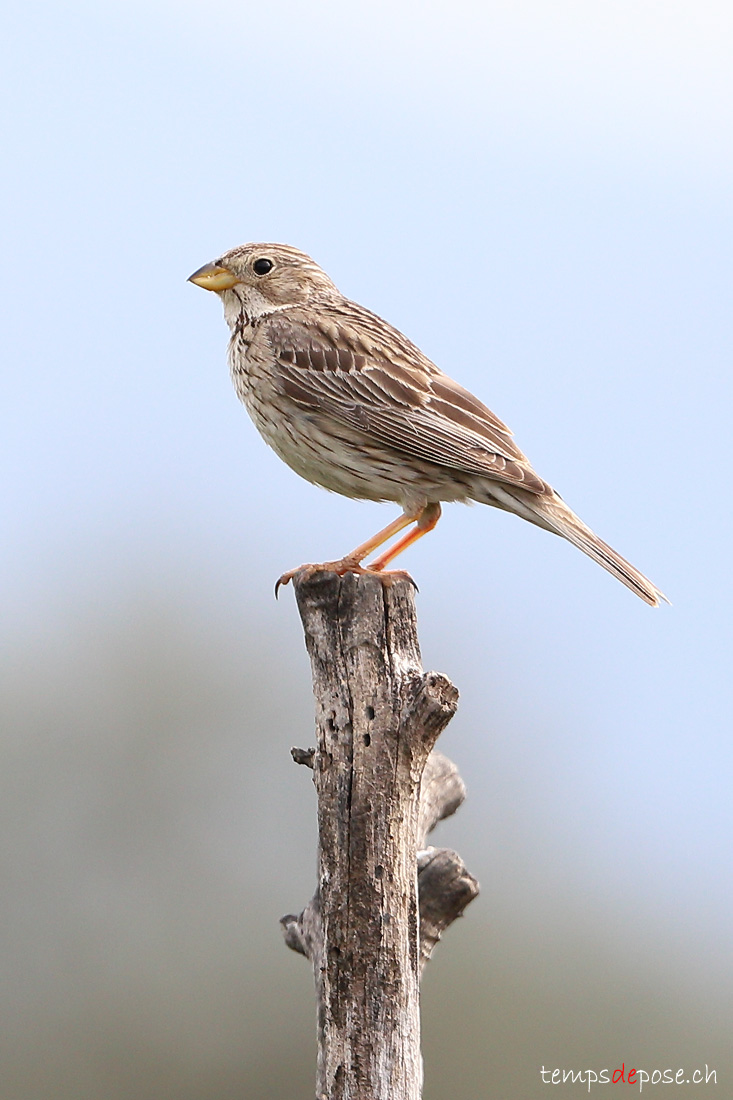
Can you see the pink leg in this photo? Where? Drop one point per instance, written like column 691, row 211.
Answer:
column 351, row 563
column 426, row 521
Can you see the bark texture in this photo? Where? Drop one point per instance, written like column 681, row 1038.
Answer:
column 380, row 790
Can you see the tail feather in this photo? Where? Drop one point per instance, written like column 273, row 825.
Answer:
column 574, row 530
column 554, row 515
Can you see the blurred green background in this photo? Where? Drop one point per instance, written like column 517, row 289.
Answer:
column 539, row 195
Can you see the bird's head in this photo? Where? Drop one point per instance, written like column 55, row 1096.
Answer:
column 261, row 278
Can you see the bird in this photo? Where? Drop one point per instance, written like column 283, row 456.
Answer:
column 352, row 405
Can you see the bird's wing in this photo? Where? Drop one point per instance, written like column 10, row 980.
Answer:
column 355, row 368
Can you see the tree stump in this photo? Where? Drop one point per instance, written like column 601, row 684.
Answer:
column 383, row 899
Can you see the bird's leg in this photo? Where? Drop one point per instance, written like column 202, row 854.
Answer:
column 357, row 556
column 351, row 563
column 425, row 522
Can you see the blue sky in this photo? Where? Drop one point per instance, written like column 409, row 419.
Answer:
column 539, row 196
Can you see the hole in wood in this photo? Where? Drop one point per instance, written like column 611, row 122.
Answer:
column 370, row 713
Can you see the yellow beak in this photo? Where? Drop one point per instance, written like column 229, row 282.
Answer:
column 213, row 277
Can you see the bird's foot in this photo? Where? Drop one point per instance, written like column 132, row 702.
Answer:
column 305, row 572
column 341, row 568
column 389, row 576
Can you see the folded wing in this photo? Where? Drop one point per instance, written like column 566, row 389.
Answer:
column 363, row 373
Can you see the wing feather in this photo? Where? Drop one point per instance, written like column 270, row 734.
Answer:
column 358, row 370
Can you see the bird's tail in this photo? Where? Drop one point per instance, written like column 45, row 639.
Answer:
column 554, row 515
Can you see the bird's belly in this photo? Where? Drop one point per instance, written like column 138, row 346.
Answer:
column 327, row 459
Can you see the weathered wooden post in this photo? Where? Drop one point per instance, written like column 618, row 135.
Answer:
column 383, row 899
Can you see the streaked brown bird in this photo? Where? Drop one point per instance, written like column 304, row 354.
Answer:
column 352, row 405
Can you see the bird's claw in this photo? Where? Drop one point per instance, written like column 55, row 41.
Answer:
column 306, row 571
column 341, row 568
column 286, row 578
column 389, row 576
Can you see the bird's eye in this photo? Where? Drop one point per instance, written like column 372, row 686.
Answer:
column 262, row 266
